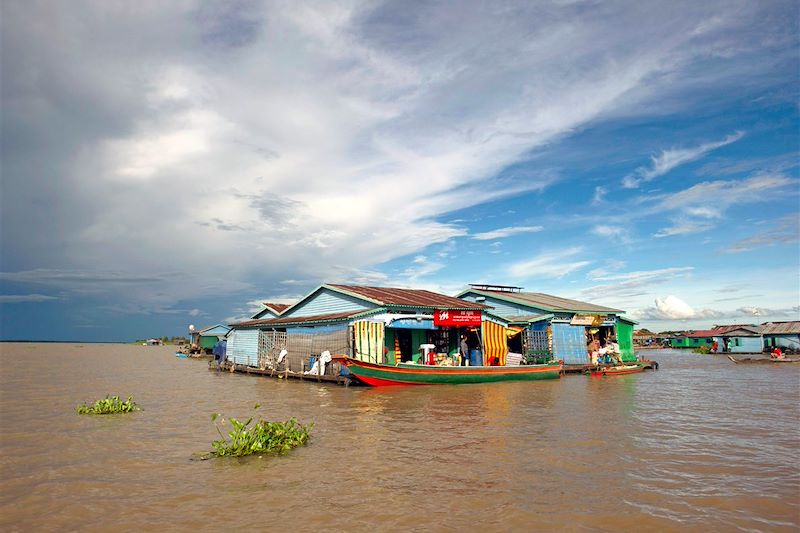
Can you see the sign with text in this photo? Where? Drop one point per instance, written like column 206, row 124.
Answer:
column 449, row 317
column 587, row 320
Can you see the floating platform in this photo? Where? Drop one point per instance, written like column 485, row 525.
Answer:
column 227, row 366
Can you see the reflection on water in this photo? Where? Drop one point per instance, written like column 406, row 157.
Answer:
column 700, row 445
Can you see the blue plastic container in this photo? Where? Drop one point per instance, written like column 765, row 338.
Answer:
column 475, row 358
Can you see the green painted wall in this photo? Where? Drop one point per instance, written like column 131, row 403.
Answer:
column 418, row 336
column 625, row 340
column 208, row 342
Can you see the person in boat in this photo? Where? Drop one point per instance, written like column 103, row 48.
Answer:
column 777, row 353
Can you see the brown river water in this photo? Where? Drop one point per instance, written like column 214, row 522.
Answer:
column 700, row 445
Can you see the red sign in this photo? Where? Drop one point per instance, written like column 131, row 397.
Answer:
column 447, row 317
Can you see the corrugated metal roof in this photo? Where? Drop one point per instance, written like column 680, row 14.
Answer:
column 781, row 328
column 727, row 330
column 548, row 302
column 283, row 321
column 703, row 333
column 529, row 318
column 278, row 308
column 396, row 297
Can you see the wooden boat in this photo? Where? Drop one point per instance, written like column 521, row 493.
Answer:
column 379, row 375
column 762, row 360
column 618, row 370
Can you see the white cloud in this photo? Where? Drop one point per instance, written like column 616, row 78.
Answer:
column 506, row 232
column 611, row 232
column 701, row 206
column 673, row 308
column 669, row 159
column 599, row 195
column 23, row 298
column 552, row 264
column 631, row 284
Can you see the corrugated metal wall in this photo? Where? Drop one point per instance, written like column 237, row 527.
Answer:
column 243, row 347
column 328, row 302
column 569, row 343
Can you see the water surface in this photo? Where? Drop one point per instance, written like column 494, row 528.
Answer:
column 700, row 445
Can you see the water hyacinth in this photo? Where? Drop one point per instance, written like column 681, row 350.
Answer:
column 262, row 437
column 108, row 405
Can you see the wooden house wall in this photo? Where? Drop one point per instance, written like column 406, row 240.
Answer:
column 745, row 344
column 242, row 347
column 327, row 302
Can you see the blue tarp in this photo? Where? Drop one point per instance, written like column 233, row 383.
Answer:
column 219, row 350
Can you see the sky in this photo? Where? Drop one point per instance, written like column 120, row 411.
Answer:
column 176, row 163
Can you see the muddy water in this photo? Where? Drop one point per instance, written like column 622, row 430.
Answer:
column 701, row 445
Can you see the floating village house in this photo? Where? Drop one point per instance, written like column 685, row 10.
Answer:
column 378, row 324
column 545, row 326
column 782, row 335
column 738, row 338
column 206, row 338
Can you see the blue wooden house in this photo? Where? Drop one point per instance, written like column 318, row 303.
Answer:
column 738, row 338
column 555, row 327
column 378, row 324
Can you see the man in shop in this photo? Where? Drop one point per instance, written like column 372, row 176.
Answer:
column 464, row 349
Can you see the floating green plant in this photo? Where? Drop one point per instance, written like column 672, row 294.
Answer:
column 108, row 405
column 262, row 437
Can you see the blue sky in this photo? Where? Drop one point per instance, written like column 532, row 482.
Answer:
column 178, row 163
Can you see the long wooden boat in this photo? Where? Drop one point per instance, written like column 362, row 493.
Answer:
column 616, row 370
column 762, row 360
column 379, row 375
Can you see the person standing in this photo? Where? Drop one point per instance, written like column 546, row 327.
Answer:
column 464, row 349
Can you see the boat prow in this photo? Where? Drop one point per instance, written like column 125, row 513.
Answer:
column 618, row 370
column 762, row 360
column 378, row 375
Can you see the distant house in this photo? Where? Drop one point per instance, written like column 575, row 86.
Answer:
column 738, row 338
column 699, row 338
column 555, row 326
column 206, row 338
column 781, row 334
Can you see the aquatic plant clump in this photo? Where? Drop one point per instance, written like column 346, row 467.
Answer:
column 262, row 437
column 108, row 405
